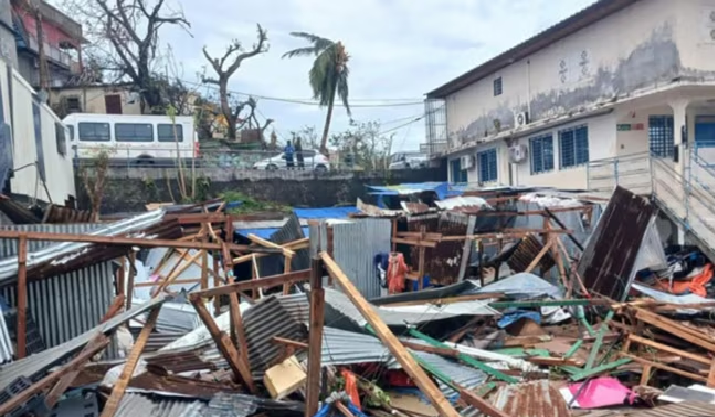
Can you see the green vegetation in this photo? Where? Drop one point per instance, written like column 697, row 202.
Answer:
column 250, row 204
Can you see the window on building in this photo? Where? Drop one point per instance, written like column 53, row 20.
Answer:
column 573, row 146
column 661, row 135
column 498, row 86
column 93, row 132
column 165, row 132
column 487, row 161
column 133, row 132
column 60, row 139
column 541, row 149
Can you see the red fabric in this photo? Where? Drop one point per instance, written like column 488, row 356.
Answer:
column 351, row 387
column 396, row 273
column 696, row 285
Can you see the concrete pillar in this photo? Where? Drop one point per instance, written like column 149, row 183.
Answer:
column 680, row 107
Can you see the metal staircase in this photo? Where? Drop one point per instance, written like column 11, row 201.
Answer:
column 686, row 198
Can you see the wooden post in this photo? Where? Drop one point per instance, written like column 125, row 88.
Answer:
column 394, row 234
column 132, row 273
column 254, row 276
column 121, row 276
column 383, row 332
column 223, row 342
column 421, row 268
column 22, row 297
column 120, row 386
column 315, row 337
column 217, row 283
column 481, row 404
column 287, row 265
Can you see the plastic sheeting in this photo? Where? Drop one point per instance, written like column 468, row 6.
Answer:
column 674, row 299
column 523, row 286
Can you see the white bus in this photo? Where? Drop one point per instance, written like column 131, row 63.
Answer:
column 137, row 138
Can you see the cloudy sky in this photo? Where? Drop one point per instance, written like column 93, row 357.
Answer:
column 399, row 50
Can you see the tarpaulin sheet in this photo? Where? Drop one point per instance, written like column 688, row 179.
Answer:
column 523, row 285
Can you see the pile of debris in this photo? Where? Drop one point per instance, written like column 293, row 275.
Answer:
column 510, row 305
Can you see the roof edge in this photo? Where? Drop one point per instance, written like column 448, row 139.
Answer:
column 572, row 24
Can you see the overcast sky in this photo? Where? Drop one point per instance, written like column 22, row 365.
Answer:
column 399, row 49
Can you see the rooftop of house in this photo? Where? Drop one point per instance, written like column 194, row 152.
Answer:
column 597, row 11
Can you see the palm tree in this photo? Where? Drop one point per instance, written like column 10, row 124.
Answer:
column 328, row 76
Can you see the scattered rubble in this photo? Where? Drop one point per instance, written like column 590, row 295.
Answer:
column 435, row 302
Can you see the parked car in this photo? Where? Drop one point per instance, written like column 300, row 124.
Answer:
column 312, row 159
column 406, row 160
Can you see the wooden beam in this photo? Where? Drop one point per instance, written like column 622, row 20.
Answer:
column 120, row 386
column 449, row 300
column 175, row 282
column 440, row 403
column 266, row 282
column 240, row 333
column 22, row 297
column 120, row 277
column 288, row 342
column 538, row 257
column 223, row 342
column 315, row 337
column 217, row 283
column 431, row 349
column 115, row 308
column 132, row 274
column 76, row 363
column 61, row 386
column 130, row 241
column 482, row 405
column 268, row 244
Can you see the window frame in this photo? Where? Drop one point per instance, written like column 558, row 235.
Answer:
column 666, row 131
column 81, row 139
column 118, row 139
column 498, row 86
column 540, row 142
column 576, row 153
column 484, row 165
column 170, row 139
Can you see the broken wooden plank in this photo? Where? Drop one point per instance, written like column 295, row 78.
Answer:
column 482, row 405
column 265, row 282
column 227, row 349
column 22, row 296
column 440, row 403
column 120, row 386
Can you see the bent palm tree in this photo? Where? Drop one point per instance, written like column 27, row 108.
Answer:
column 329, row 75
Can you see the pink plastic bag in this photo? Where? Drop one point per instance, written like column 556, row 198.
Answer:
column 602, row 392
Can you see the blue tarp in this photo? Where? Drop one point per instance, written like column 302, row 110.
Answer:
column 325, row 212
column 514, row 316
column 327, row 408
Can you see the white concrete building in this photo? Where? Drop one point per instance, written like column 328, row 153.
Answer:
column 622, row 77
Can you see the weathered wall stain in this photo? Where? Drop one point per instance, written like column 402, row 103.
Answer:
column 653, row 62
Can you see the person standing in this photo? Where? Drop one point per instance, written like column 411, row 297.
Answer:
column 288, row 153
column 299, row 154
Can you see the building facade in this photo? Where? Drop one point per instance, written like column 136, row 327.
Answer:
column 621, row 77
column 103, row 99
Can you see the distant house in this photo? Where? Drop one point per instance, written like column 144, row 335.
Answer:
column 19, row 46
column 104, row 99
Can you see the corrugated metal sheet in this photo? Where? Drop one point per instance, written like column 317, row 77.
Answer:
column 318, row 237
column 134, row 405
column 262, row 323
column 342, row 347
column 532, row 399
column 462, row 375
column 244, row 405
column 8, row 247
column 291, row 230
column 606, row 265
column 35, row 366
column 5, row 341
column 355, row 245
column 343, row 314
column 66, row 250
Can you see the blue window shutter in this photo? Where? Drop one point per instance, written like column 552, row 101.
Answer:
column 581, row 145
column 548, row 153
column 536, row 151
column 566, row 148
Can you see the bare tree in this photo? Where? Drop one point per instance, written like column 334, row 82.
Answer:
column 226, row 66
column 125, row 33
column 93, row 178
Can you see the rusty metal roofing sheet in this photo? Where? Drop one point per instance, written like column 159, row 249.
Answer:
column 443, row 262
column 8, row 247
column 532, row 399
column 606, row 264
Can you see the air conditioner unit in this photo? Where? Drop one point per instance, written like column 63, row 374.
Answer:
column 517, row 153
column 521, row 119
column 467, row 162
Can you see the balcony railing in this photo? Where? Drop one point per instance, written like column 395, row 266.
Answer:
column 55, row 54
